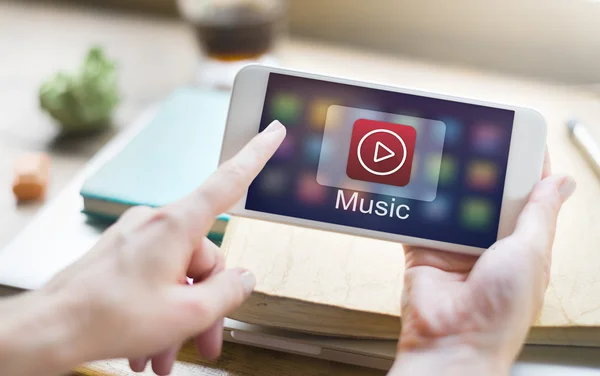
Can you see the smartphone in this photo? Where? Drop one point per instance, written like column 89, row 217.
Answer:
column 390, row 163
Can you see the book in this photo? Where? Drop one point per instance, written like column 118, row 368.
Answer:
column 317, row 281
column 169, row 158
column 340, row 285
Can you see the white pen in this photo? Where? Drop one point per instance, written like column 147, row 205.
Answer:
column 586, row 143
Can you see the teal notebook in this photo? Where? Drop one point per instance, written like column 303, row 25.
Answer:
column 170, row 157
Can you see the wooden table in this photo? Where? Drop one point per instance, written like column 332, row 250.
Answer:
column 157, row 55
column 237, row 360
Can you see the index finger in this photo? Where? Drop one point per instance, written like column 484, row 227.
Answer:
column 228, row 184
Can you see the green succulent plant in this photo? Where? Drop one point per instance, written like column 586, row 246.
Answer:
column 86, row 99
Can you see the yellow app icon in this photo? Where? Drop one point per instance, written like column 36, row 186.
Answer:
column 318, row 113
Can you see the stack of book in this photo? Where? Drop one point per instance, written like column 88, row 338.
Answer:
column 339, row 285
column 168, row 158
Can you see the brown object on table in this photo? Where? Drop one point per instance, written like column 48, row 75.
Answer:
column 32, row 174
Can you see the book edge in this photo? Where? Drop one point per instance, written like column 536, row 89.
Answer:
column 222, row 217
column 337, row 307
column 580, row 336
column 214, row 236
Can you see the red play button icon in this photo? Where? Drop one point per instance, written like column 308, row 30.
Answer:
column 381, row 152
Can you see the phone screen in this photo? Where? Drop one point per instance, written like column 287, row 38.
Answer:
column 384, row 161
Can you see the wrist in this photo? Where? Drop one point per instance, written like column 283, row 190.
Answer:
column 39, row 335
column 448, row 357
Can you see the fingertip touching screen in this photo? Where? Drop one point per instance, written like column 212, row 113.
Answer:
column 384, row 161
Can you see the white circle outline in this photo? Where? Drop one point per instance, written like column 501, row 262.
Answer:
column 363, row 163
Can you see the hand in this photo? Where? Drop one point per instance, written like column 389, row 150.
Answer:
column 466, row 312
column 129, row 296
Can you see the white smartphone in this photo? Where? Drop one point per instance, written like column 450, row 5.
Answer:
column 386, row 162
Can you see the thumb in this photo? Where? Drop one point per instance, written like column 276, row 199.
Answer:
column 536, row 225
column 528, row 250
column 216, row 297
column 507, row 284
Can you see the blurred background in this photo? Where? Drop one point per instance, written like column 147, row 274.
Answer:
column 72, row 66
column 557, row 39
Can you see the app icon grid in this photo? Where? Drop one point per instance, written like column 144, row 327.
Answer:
column 472, row 171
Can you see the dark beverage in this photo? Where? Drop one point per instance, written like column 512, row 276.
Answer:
column 242, row 31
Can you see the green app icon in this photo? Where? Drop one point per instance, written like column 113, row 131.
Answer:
column 476, row 214
column 448, row 171
column 445, row 171
column 286, row 108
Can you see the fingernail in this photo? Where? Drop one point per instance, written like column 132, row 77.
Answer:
column 248, row 280
column 138, row 365
column 567, row 188
column 273, row 127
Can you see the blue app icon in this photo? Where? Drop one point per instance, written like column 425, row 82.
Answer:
column 438, row 210
column 454, row 131
column 313, row 149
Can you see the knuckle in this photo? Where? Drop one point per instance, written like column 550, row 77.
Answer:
column 235, row 172
column 129, row 225
column 170, row 222
column 199, row 308
column 257, row 152
column 547, row 199
column 137, row 213
column 119, row 238
column 219, row 260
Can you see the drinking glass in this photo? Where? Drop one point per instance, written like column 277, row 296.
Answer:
column 233, row 34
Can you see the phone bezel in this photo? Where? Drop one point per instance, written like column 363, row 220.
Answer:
column 525, row 160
